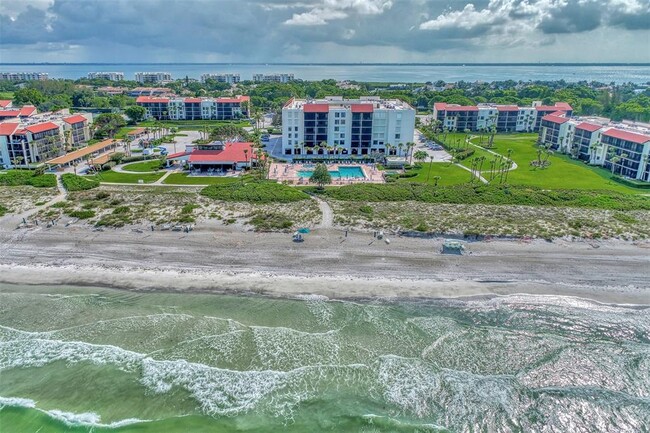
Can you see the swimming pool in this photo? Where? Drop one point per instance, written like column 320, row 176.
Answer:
column 354, row 172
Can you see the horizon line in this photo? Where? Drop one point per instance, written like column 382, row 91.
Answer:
column 343, row 63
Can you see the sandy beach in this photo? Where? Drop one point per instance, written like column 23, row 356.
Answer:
column 232, row 260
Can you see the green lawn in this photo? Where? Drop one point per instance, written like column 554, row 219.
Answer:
column 145, row 166
column 563, row 172
column 6, row 95
column 115, row 177
column 449, row 174
column 183, row 179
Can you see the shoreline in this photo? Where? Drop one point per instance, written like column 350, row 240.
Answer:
column 232, row 261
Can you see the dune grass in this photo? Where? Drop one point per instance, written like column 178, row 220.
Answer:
column 184, row 179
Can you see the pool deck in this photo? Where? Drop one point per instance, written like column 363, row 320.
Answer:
column 289, row 173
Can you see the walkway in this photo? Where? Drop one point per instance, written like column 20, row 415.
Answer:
column 327, row 215
column 25, row 216
column 476, row 172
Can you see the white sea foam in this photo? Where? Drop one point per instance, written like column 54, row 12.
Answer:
column 17, row 402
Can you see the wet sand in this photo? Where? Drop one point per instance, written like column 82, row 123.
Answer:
column 229, row 259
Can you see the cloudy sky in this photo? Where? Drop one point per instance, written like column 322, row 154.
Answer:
column 324, row 31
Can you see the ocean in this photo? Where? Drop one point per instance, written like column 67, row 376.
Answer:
column 103, row 360
column 405, row 73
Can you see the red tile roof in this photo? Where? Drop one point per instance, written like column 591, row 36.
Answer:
column 289, row 102
column 555, row 119
column 4, row 103
column 362, row 108
column 27, row 110
column 150, row 100
column 9, row 113
column 193, row 100
column 588, row 127
column 507, row 108
column 232, row 153
column 316, row 108
column 627, row 136
column 41, row 127
column 439, row 105
column 74, row 119
column 558, row 106
column 239, row 99
column 177, row 155
column 462, row 108
column 8, row 128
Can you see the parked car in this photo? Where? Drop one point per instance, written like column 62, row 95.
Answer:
column 266, row 137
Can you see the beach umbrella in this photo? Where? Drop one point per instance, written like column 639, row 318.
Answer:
column 303, row 230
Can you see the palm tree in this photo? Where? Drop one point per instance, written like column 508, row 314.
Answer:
column 420, row 155
column 400, row 146
column 436, row 179
column 246, row 156
column 430, row 165
column 409, row 151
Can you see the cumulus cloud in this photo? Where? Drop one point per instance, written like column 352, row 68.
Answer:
column 327, row 10
column 322, row 30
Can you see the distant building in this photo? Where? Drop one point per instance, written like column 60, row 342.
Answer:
column 111, row 76
column 151, row 91
column 175, row 108
column 505, row 118
column 153, row 77
column 352, row 127
column 35, row 138
column 221, row 78
column 23, row 76
column 275, row 78
column 599, row 141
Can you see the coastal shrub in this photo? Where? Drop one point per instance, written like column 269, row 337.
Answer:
column 121, row 210
column 101, row 195
column 3, row 210
column 488, row 194
column 81, row 214
column 625, row 218
column 108, row 165
column 27, row 177
column 270, row 221
column 188, row 208
column 254, row 192
column 72, row 182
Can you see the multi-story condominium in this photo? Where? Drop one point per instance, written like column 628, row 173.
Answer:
column 153, row 77
column 29, row 141
column 13, row 113
column 5, row 103
column 221, row 78
column 504, row 118
column 348, row 127
column 23, row 76
column 599, row 141
column 276, row 78
column 151, row 91
column 111, row 76
column 176, row 108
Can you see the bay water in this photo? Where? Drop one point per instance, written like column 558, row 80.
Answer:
column 406, row 73
column 100, row 360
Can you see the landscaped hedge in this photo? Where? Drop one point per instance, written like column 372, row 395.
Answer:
column 133, row 159
column 72, row 182
column 27, row 177
column 487, row 194
column 632, row 183
column 464, row 154
column 254, row 192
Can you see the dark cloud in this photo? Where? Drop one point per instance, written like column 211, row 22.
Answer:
column 273, row 30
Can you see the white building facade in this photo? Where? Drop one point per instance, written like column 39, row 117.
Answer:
column 23, row 76
column 153, row 77
column 346, row 127
column 222, row 78
column 111, row 76
column 274, row 78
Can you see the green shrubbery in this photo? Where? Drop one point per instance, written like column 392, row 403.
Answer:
column 3, row 210
column 633, row 183
column 72, row 182
column 463, row 154
column 488, row 194
column 254, row 192
column 265, row 221
column 27, row 177
column 81, row 214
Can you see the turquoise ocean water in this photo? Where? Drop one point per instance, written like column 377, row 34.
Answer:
column 102, row 360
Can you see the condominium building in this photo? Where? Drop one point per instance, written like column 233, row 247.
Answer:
column 352, row 127
column 275, row 78
column 600, row 141
column 504, row 118
column 111, row 76
column 23, row 76
column 153, row 77
column 32, row 140
column 223, row 108
column 221, row 78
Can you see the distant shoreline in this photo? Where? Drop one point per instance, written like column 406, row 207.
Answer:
column 468, row 64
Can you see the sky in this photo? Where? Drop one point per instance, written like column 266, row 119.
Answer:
column 380, row 31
